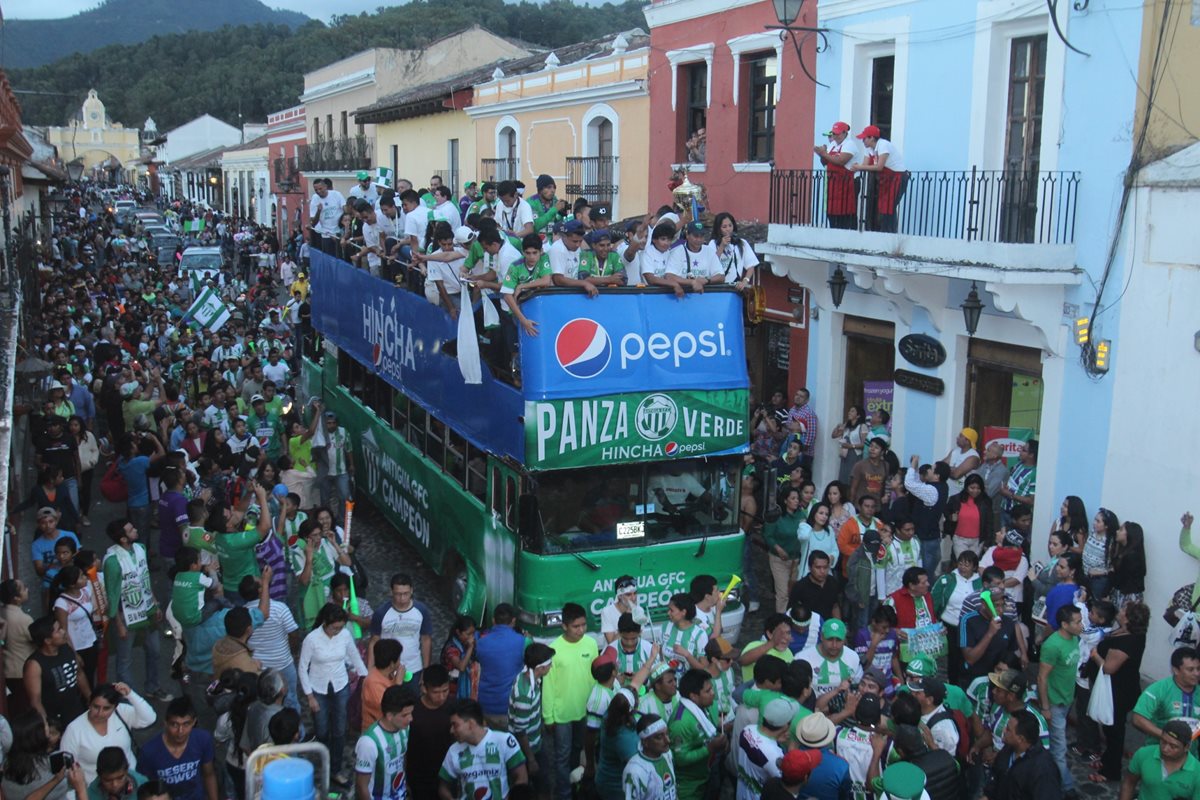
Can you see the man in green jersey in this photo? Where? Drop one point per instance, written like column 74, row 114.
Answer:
column 650, row 773
column 1165, row 770
column 525, row 711
column 600, row 264
column 1170, row 698
column 547, row 209
column 532, row 272
column 381, row 750
column 481, row 762
column 697, row 740
column 265, row 428
column 486, row 202
column 1056, row 683
column 1008, row 690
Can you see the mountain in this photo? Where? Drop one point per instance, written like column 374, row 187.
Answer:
column 248, row 71
column 34, row 42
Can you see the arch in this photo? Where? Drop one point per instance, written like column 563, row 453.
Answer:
column 595, row 119
column 508, row 131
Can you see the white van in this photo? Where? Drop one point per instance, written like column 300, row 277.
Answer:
column 204, row 261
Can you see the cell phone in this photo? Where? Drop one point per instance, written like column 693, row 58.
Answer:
column 60, row 760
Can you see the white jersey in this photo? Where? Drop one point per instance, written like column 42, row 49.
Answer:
column 649, row 778
column 854, row 745
column 826, row 673
column 758, row 759
column 705, row 264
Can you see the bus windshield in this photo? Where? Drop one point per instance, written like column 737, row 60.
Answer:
column 633, row 505
column 210, row 261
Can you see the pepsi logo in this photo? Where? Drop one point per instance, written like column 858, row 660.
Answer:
column 583, row 348
column 671, row 449
column 377, row 354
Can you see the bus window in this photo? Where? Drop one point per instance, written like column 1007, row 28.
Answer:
column 632, row 505
column 497, row 493
column 435, row 448
column 476, row 478
column 456, row 456
column 400, row 412
column 416, row 426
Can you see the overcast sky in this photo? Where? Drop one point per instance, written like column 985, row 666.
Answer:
column 318, row 9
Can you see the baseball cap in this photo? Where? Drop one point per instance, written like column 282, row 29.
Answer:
column 798, row 765
column 47, row 511
column 972, row 436
column 55, row 385
column 1013, row 538
column 469, row 184
column 778, row 713
column 1178, row 730
column 833, row 629
column 363, row 175
column 593, row 237
column 670, row 217
column 904, row 781
column 609, row 656
column 870, row 130
column 922, row 666
column 1010, row 680
column 258, row 398
column 837, row 127
column 463, row 234
column 869, row 710
column 695, row 228
column 876, row 675
column 572, row 226
column 600, row 211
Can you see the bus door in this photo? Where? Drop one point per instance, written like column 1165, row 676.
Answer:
column 500, row 536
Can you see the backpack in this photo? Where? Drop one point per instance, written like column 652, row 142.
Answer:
column 960, row 722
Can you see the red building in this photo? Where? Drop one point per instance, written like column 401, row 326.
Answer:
column 286, row 133
column 715, row 66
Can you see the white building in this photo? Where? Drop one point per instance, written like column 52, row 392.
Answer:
column 247, row 181
column 203, row 133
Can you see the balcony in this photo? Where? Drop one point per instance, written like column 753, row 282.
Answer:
column 337, row 155
column 592, row 177
column 925, row 221
column 287, row 174
column 495, row 170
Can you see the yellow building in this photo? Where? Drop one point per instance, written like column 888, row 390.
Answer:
column 107, row 149
column 580, row 114
column 1170, row 47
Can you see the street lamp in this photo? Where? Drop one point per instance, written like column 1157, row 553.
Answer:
column 837, row 286
column 787, row 11
column 75, row 169
column 972, row 307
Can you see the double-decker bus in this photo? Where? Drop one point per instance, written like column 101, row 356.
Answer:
column 617, row 451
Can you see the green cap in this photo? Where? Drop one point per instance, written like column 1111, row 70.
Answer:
column 922, row 666
column 833, row 629
column 363, row 175
column 903, row 781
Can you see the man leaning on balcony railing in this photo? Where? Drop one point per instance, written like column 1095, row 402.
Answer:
column 325, row 209
column 841, row 190
column 889, row 180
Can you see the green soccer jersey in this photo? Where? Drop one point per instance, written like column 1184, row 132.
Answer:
column 589, row 263
column 1062, row 653
column 998, row 718
column 236, row 551
column 525, row 708
column 1163, row 701
column 519, row 274
column 187, row 597
column 1156, row 784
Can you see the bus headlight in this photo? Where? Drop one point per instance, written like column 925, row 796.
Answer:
column 552, row 619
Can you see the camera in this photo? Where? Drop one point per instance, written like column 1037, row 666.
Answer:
column 60, row 760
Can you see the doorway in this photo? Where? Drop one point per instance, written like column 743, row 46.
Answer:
column 870, row 357
column 1004, row 386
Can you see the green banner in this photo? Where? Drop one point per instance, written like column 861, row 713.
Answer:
column 642, row 426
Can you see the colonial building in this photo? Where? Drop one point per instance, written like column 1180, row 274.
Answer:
column 107, row 149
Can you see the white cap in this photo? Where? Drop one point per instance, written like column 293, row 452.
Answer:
column 464, row 234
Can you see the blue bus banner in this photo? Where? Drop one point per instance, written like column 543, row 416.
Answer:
column 623, row 342
column 400, row 336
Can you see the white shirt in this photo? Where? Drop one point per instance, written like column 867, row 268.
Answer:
column 82, row 739
column 323, row 661
column 371, row 195
column 448, row 273
column 757, row 762
column 513, row 219
column 651, row 261
column 277, row 372
column 392, row 228
column 499, row 262
column 330, row 208
column 564, row 261
column 735, row 261
column 269, row 641
column 894, row 162
column 415, row 222
column 610, row 615
column 682, row 261
column 80, row 630
column 850, row 145
column 449, row 212
column 373, row 237
column 945, row 732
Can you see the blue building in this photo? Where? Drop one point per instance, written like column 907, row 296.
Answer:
column 1015, row 142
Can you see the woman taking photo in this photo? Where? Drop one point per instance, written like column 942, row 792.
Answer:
column 325, row 681
column 969, row 517
column 1129, row 564
column 75, row 610
column 783, row 546
column 1098, row 551
column 1120, row 655
column 28, row 774
column 852, row 439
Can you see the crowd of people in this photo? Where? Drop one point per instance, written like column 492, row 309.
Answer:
column 912, row 649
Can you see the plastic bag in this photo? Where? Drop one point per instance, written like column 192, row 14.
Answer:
column 1186, row 632
column 1100, row 706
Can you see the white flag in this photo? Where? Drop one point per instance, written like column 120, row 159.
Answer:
column 468, row 341
column 209, row 311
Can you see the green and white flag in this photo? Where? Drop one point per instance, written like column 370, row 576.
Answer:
column 383, row 178
column 197, row 281
column 209, row 311
column 193, row 225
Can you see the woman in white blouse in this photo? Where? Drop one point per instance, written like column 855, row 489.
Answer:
column 106, row 725
column 325, row 681
column 76, row 612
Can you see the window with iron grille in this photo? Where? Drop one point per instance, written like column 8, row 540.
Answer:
column 697, row 97
column 763, row 73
